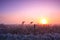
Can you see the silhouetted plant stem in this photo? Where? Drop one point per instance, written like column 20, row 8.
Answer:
column 34, row 28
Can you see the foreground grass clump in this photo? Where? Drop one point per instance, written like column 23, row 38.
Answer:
column 54, row 36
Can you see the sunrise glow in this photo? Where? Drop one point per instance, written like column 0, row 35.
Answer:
column 43, row 21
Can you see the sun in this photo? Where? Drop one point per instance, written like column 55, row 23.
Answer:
column 44, row 21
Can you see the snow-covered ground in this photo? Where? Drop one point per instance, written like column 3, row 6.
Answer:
column 54, row 36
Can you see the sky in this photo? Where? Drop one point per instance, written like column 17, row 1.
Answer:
column 16, row 11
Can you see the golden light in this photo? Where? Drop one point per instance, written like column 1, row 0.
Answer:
column 43, row 21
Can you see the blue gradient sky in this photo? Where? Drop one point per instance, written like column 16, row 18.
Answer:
column 15, row 11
